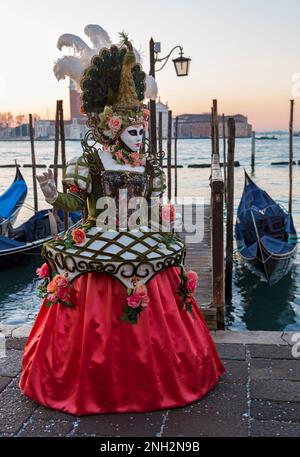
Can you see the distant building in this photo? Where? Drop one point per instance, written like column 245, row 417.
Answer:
column 199, row 125
column 162, row 108
column 75, row 129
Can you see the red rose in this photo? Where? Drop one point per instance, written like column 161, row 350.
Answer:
column 78, row 235
column 168, row 213
column 134, row 300
column 43, row 271
column 73, row 188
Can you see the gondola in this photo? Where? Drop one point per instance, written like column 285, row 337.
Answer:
column 26, row 241
column 265, row 234
column 11, row 202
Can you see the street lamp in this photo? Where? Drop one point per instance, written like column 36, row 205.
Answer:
column 181, row 63
column 182, row 66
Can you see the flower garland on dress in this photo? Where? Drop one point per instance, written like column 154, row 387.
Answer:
column 55, row 288
column 136, row 302
column 186, row 289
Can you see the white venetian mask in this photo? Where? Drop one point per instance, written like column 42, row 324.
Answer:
column 132, row 137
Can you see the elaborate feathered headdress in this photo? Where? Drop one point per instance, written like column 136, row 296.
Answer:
column 110, row 80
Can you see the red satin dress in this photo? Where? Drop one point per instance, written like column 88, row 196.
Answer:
column 86, row 360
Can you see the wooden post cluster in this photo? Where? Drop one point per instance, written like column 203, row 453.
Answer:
column 230, row 208
column 217, row 223
column 31, row 135
column 291, row 128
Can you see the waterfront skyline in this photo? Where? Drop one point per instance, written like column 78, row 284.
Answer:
column 243, row 55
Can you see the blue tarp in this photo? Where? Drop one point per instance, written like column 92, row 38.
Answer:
column 249, row 252
column 7, row 243
column 12, row 197
column 275, row 246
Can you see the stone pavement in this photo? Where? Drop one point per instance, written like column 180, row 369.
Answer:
column 258, row 396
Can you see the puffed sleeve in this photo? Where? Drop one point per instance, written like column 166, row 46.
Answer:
column 77, row 179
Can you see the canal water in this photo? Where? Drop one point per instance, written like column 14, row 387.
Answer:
column 254, row 305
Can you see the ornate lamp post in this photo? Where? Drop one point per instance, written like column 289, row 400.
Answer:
column 182, row 66
column 181, row 63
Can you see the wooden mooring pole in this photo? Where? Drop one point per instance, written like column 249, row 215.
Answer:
column 252, row 152
column 291, row 127
column 56, row 143
column 169, row 155
column 230, row 208
column 175, row 157
column 213, row 146
column 31, row 135
column 63, row 152
column 216, row 127
column 160, row 134
column 224, row 156
column 152, row 102
column 217, row 224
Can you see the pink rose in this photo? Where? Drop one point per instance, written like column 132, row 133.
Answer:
column 140, row 289
column 43, row 271
column 168, row 213
column 51, row 298
column 134, row 300
column 135, row 156
column 119, row 155
column 115, row 123
column 63, row 293
column 192, row 280
column 78, row 235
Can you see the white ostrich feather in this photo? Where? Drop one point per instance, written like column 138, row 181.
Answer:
column 74, row 66
column 69, row 66
column 82, row 50
column 151, row 88
column 98, row 36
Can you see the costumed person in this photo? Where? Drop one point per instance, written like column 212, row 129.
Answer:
column 119, row 329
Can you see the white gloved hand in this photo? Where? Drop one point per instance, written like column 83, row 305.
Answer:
column 48, row 187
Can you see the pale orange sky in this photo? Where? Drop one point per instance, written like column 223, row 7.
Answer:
column 243, row 53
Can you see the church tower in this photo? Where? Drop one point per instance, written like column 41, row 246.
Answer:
column 75, row 103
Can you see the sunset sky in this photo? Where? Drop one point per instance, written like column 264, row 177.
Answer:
column 244, row 53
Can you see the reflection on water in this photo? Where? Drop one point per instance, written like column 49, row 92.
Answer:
column 19, row 300
column 256, row 306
